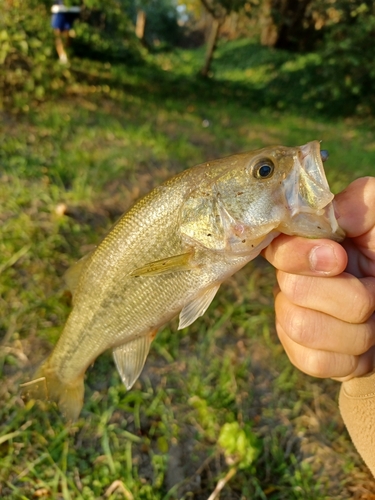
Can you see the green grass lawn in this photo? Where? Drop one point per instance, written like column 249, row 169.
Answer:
column 68, row 170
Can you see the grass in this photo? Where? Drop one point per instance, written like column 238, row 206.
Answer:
column 69, row 169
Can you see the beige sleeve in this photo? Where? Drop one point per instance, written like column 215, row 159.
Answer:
column 357, row 406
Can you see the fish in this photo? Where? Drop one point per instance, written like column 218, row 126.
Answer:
column 169, row 254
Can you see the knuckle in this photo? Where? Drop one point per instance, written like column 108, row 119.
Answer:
column 362, row 305
column 323, row 364
column 295, row 287
column 298, row 326
column 315, row 363
column 365, row 339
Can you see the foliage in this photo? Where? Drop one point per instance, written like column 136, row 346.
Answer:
column 290, row 25
column 105, row 31
column 239, row 444
column 339, row 75
column 336, row 77
column 162, row 28
column 339, row 32
column 221, row 8
column 316, row 82
column 347, row 72
column 28, row 70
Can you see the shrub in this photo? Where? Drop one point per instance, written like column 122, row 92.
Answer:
column 105, row 32
column 348, row 69
column 29, row 71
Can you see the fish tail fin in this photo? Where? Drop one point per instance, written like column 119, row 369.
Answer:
column 47, row 386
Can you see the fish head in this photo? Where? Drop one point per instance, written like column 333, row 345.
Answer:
column 251, row 195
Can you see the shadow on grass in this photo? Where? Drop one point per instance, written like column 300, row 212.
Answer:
column 244, row 74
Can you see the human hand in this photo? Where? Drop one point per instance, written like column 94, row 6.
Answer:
column 325, row 300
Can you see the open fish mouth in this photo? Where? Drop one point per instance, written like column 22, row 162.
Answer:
column 307, row 190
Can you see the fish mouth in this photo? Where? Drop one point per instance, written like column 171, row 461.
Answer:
column 308, row 194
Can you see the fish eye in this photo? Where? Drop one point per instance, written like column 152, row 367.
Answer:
column 264, row 169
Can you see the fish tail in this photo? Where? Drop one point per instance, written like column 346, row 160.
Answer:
column 47, row 386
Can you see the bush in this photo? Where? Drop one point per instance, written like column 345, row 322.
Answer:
column 105, row 32
column 348, row 69
column 161, row 23
column 29, row 71
column 29, row 67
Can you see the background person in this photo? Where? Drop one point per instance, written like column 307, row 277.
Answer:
column 62, row 23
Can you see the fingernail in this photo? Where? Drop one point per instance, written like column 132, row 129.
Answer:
column 323, row 259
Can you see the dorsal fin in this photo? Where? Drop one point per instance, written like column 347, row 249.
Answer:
column 131, row 357
column 197, row 307
column 73, row 274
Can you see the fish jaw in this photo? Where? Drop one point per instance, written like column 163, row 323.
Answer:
column 309, row 198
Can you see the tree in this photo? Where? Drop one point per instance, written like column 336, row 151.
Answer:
column 140, row 24
column 348, row 72
column 219, row 11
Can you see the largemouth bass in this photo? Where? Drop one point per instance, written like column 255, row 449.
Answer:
column 171, row 251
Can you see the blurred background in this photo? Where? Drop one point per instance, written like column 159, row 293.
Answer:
column 100, row 103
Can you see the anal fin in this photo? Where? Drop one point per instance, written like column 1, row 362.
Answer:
column 169, row 265
column 197, row 307
column 131, row 357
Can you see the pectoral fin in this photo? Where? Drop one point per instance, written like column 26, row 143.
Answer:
column 169, row 265
column 201, row 219
column 197, row 307
column 131, row 357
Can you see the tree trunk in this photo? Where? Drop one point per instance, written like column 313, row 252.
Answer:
column 286, row 24
column 140, row 24
column 211, row 46
column 295, row 28
column 269, row 33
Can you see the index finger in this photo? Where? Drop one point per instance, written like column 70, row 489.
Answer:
column 355, row 207
column 296, row 255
